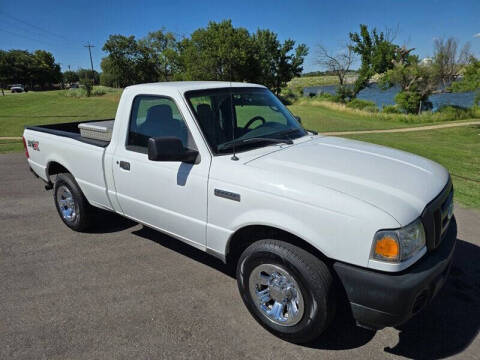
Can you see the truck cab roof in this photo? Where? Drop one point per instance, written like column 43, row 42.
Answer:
column 184, row 86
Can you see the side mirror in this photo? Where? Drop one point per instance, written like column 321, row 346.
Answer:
column 170, row 149
column 299, row 119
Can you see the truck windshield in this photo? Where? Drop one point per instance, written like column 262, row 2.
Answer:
column 242, row 117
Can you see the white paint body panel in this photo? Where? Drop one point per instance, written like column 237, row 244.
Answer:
column 333, row 193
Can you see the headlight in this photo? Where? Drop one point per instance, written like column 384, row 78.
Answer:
column 398, row 245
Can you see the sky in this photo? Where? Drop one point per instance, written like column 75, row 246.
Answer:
column 64, row 27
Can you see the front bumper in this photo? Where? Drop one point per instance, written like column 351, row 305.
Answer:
column 380, row 299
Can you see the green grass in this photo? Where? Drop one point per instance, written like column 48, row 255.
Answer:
column 325, row 116
column 458, row 149
column 48, row 107
column 306, row 81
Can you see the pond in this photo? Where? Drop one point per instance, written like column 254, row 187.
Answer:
column 387, row 97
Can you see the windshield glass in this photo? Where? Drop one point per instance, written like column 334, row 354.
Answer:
column 233, row 116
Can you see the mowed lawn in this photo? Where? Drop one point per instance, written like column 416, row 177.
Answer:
column 48, row 107
column 458, row 149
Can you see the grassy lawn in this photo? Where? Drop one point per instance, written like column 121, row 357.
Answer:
column 325, row 116
column 457, row 149
column 306, row 81
column 47, row 107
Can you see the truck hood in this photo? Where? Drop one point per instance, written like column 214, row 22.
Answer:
column 399, row 183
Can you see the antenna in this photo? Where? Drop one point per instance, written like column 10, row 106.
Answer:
column 234, row 156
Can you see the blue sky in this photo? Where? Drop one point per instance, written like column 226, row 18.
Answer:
column 63, row 27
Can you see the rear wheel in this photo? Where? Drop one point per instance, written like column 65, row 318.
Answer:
column 288, row 290
column 71, row 204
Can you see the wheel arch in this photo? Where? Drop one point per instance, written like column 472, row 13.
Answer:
column 247, row 235
column 54, row 168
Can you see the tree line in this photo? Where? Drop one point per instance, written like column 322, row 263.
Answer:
column 36, row 69
column 219, row 51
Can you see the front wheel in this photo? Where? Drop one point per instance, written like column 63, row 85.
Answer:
column 288, row 290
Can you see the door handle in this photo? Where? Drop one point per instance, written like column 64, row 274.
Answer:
column 125, row 165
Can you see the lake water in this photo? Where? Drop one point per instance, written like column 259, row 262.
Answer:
column 387, row 97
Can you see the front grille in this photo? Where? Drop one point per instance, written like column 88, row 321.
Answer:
column 436, row 217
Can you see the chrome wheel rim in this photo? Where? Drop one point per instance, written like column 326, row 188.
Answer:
column 66, row 203
column 276, row 294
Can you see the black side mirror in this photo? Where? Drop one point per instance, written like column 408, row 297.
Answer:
column 170, row 149
column 299, row 119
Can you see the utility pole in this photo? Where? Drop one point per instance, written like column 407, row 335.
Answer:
column 90, row 46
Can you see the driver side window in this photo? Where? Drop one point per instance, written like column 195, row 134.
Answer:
column 155, row 116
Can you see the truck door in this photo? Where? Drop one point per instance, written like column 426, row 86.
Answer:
column 170, row 196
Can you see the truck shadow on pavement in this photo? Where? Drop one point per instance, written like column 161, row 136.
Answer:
column 452, row 321
column 444, row 328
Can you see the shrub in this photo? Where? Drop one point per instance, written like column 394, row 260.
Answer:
column 99, row 91
column 87, row 85
column 288, row 96
column 79, row 92
column 391, row 109
column 327, row 97
column 455, row 111
column 362, row 105
column 408, row 101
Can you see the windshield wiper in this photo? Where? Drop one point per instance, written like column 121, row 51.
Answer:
column 252, row 141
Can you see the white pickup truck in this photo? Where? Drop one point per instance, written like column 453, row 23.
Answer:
column 304, row 219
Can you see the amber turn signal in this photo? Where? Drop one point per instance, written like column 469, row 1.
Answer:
column 387, row 247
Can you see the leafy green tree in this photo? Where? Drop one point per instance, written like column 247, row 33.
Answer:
column 87, row 74
column 217, row 52
column 161, row 48
column 70, row 77
column 44, row 70
column 377, row 54
column 31, row 69
column 471, row 77
column 123, row 57
column 416, row 82
column 276, row 63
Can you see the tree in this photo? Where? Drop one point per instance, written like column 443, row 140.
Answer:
column 83, row 74
column 416, row 82
column 217, row 52
column 162, row 49
column 31, row 69
column 338, row 64
column 70, row 77
column 447, row 61
column 471, row 77
column 275, row 63
column 377, row 53
column 45, row 71
column 123, row 57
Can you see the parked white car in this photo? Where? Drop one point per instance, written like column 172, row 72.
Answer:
column 303, row 218
column 17, row 88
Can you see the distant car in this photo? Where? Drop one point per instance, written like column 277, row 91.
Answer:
column 17, row 88
column 74, row 86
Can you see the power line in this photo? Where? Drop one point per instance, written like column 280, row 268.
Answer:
column 27, row 37
column 34, row 26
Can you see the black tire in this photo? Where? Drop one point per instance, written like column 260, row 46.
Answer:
column 83, row 210
column 310, row 273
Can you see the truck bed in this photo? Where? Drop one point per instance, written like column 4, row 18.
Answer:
column 70, row 130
